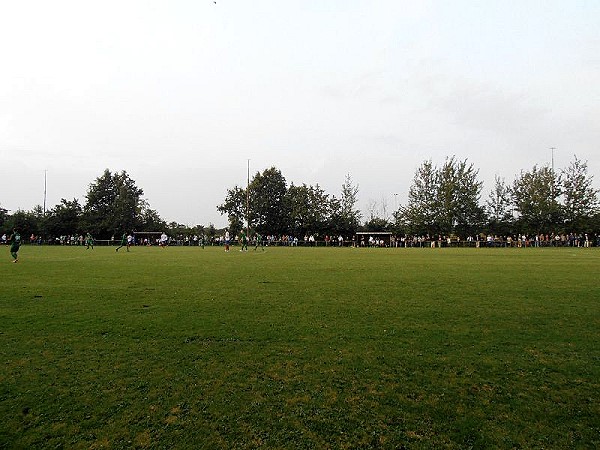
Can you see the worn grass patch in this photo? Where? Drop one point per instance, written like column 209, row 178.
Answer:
column 300, row 348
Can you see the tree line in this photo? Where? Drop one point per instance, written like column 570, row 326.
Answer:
column 447, row 200
column 114, row 205
column 269, row 206
column 443, row 200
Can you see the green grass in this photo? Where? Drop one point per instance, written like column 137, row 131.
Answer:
column 300, row 348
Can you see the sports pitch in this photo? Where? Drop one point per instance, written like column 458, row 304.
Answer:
column 300, row 348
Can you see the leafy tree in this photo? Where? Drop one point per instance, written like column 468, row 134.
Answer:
column 269, row 207
column 535, row 196
column 349, row 217
column 99, row 207
column 446, row 200
column 211, row 232
column 127, row 204
column 419, row 216
column 377, row 224
column 580, row 197
column 499, row 207
column 28, row 223
column 308, row 209
column 113, row 205
column 235, row 208
column 149, row 219
column 275, row 208
column 177, row 230
column 199, row 230
column 38, row 213
column 457, row 200
column 64, row 218
column 398, row 225
column 3, row 217
column 467, row 214
column 594, row 224
column 443, row 200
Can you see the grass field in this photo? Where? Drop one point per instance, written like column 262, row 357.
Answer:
column 300, row 348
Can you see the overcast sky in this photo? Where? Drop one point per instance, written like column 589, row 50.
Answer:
column 181, row 94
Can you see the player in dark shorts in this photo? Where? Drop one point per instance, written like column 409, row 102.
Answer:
column 15, row 243
column 89, row 241
column 258, row 241
column 244, row 243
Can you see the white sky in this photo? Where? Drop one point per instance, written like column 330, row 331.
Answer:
column 181, row 94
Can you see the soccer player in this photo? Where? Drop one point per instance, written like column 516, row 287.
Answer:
column 163, row 240
column 15, row 243
column 89, row 241
column 258, row 241
column 244, row 242
column 226, row 240
column 123, row 242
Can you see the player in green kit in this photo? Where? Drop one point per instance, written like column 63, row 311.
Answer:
column 123, row 242
column 89, row 241
column 15, row 243
column 244, row 242
column 258, row 241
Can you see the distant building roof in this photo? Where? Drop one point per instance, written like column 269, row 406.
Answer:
column 375, row 233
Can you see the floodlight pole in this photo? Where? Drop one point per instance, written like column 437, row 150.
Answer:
column 45, row 173
column 552, row 166
column 248, row 203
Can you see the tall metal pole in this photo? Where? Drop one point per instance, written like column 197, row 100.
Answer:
column 552, row 165
column 248, row 203
column 45, row 173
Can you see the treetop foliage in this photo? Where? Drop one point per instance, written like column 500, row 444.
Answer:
column 276, row 208
column 442, row 200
